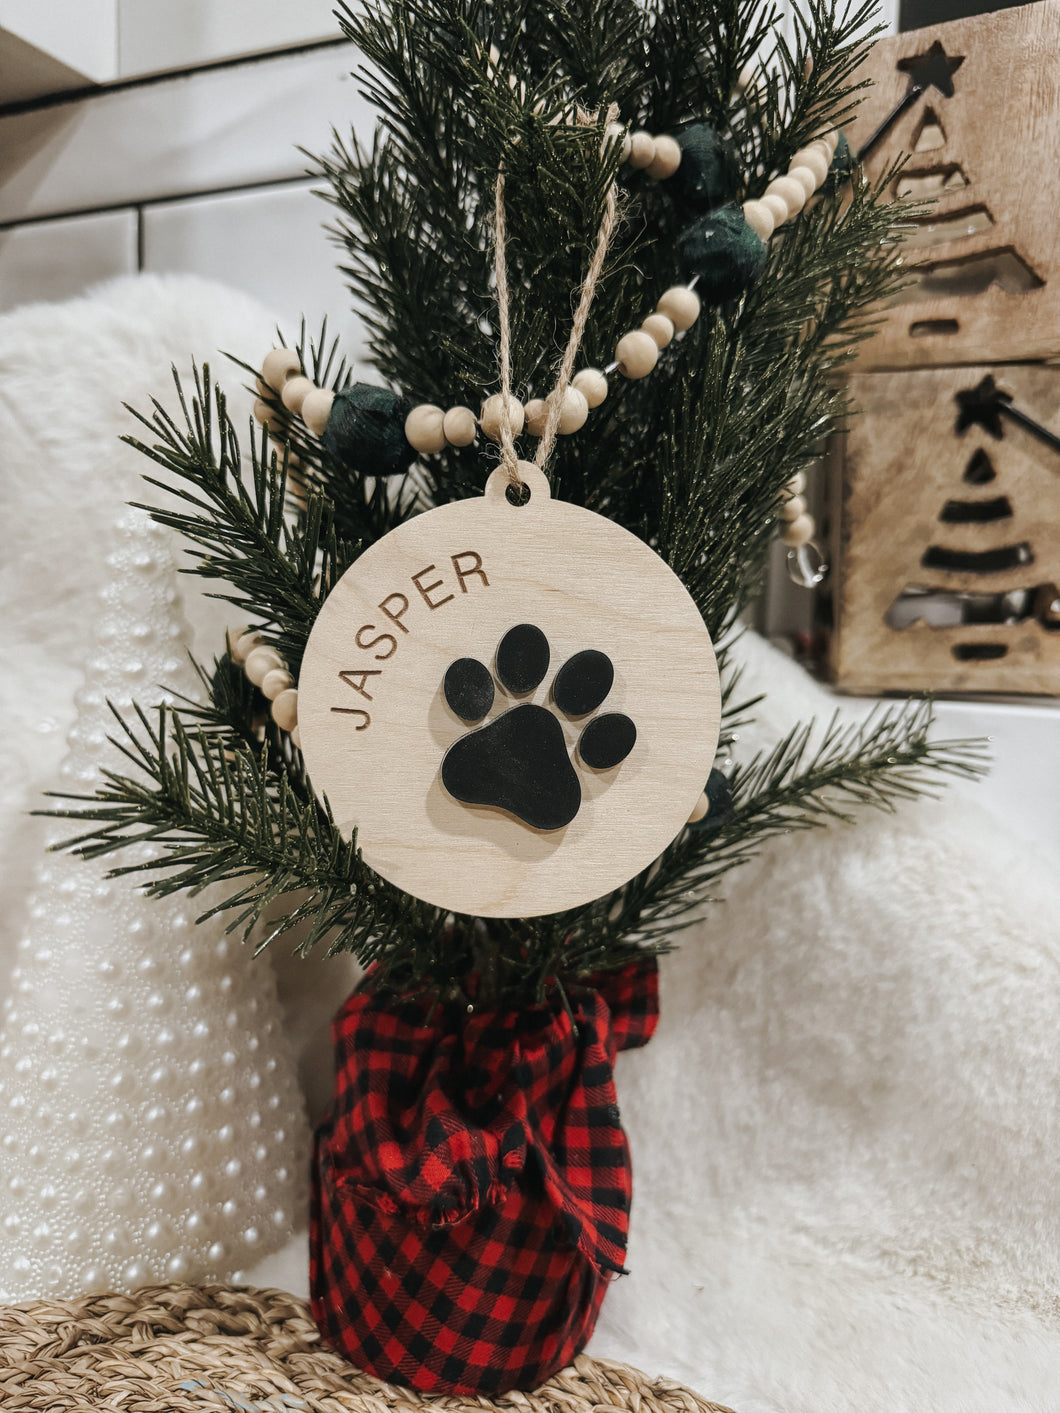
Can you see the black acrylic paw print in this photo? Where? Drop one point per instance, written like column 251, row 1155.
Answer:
column 519, row 762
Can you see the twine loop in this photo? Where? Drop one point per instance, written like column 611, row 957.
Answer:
column 509, row 457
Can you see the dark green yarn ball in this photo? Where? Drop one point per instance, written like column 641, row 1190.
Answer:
column 709, row 174
column 722, row 808
column 724, row 252
column 366, row 430
column 842, row 167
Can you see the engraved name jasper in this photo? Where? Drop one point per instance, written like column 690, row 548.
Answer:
column 515, row 706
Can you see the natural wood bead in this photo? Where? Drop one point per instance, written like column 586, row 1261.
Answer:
column 259, row 662
column 799, row 531
column 637, row 354
column 574, row 412
column 796, row 484
column 459, row 426
column 627, row 147
column 285, row 710
column 489, row 419
column 701, row 809
column 263, row 412
column 805, row 179
column 279, row 365
column 295, row 392
column 316, row 409
column 759, row 217
column 666, row 160
column 641, row 149
column 275, row 682
column 592, row 385
column 296, row 738
column 424, row 428
column 815, row 159
column 832, row 139
column 777, row 208
column 660, row 327
column 536, row 416
column 790, row 192
column 241, row 644
column 681, row 306
column 792, row 508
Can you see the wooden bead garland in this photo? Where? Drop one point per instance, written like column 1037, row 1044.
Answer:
column 785, row 196
column 267, row 670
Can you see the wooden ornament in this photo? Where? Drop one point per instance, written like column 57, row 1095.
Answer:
column 591, row 383
column 681, row 306
column 984, row 144
column 279, row 365
column 483, row 650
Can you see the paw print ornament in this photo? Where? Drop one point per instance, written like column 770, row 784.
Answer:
column 515, row 705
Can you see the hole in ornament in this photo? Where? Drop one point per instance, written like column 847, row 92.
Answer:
column 976, row 512
column 992, row 561
column 924, row 328
column 980, row 470
column 930, row 181
column 978, row 652
column 930, row 133
column 936, row 230
column 517, row 495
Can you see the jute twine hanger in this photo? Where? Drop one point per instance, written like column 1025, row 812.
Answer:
column 509, row 457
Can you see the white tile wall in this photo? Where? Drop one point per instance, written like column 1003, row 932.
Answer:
column 49, row 260
column 153, row 37
column 269, row 242
column 203, row 132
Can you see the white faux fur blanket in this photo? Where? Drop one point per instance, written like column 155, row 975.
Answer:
column 845, row 1133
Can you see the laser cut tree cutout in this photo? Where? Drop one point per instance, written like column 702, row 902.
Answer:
column 983, row 142
column 941, row 598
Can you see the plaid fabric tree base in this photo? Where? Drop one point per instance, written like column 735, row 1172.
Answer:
column 471, row 1184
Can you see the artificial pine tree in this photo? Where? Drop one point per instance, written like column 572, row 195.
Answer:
column 471, row 1183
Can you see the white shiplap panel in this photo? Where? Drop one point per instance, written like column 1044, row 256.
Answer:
column 184, row 34
column 270, row 243
column 203, row 132
column 50, row 260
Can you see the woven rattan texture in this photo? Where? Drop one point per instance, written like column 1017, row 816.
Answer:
column 189, row 1349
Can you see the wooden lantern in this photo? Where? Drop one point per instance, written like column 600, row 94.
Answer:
column 946, row 523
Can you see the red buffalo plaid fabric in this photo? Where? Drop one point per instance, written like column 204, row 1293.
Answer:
column 471, row 1184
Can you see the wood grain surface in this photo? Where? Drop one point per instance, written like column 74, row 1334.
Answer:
column 449, row 584
column 895, row 470
column 996, row 167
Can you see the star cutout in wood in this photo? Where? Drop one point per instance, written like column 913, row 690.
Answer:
column 933, row 69
column 981, row 406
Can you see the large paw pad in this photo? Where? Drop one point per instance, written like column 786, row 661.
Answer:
column 519, row 762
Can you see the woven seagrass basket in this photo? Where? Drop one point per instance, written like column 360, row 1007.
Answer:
column 190, row 1349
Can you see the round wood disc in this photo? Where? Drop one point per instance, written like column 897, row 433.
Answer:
column 522, row 823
